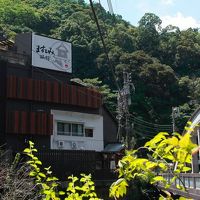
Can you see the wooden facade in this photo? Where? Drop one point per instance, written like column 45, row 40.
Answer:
column 52, row 92
column 31, row 123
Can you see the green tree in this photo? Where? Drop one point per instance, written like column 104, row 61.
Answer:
column 162, row 151
column 148, row 37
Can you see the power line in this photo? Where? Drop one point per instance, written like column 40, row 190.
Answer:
column 139, row 126
column 143, row 131
column 110, row 7
column 151, row 125
column 138, row 119
column 152, row 128
column 143, row 135
column 104, row 45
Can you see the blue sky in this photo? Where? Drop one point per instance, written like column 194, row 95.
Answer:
column 181, row 13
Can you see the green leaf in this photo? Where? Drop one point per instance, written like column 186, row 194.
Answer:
column 47, row 192
column 61, row 193
column 186, row 169
column 38, row 162
column 173, row 141
column 42, row 175
column 35, row 150
column 27, row 150
column 52, row 179
column 30, row 162
column 189, row 123
column 157, row 179
column 32, row 173
column 182, row 198
column 162, row 166
column 31, row 144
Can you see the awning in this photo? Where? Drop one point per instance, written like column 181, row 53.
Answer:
column 113, row 148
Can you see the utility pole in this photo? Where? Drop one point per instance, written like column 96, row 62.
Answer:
column 124, row 101
column 175, row 114
column 110, row 7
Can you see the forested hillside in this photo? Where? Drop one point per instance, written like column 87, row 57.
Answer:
column 164, row 61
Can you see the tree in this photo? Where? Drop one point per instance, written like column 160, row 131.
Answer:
column 109, row 97
column 169, row 38
column 188, row 52
column 148, row 36
column 161, row 151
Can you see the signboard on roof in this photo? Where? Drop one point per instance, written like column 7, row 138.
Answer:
column 51, row 54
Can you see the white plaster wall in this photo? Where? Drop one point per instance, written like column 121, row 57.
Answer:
column 82, row 143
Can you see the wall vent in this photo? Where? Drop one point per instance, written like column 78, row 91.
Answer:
column 60, row 144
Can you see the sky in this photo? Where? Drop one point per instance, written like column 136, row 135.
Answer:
column 181, row 13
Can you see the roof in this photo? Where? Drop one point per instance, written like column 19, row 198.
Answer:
column 113, row 148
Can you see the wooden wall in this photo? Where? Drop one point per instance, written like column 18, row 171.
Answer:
column 52, row 92
column 31, row 123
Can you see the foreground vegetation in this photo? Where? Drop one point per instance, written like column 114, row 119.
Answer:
column 32, row 181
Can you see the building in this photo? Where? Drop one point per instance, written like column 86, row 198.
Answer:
column 195, row 121
column 68, row 122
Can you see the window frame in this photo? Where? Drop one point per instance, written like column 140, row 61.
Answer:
column 91, row 128
column 63, row 131
column 71, row 132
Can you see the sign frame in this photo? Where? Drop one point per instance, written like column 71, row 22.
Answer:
column 50, row 53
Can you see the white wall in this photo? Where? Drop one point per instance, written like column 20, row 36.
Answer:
column 82, row 143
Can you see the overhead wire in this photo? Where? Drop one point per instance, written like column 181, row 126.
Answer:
column 149, row 123
column 104, row 45
column 144, row 128
column 144, row 136
column 152, row 128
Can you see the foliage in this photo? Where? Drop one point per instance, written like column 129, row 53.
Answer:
column 109, row 97
column 15, row 182
column 77, row 189
column 166, row 154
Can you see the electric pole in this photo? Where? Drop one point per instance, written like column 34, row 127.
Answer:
column 124, row 101
column 110, row 7
column 175, row 114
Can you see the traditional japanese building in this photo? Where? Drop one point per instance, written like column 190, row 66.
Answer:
column 67, row 121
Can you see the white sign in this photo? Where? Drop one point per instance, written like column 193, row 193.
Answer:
column 51, row 54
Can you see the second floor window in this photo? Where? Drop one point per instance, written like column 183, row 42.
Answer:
column 70, row 129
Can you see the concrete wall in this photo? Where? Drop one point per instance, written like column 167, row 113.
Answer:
column 81, row 143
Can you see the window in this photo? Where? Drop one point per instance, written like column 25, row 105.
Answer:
column 77, row 129
column 70, row 129
column 63, row 128
column 88, row 132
